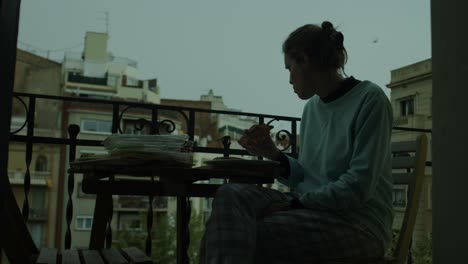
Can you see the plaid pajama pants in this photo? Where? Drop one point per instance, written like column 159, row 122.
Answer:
column 235, row 232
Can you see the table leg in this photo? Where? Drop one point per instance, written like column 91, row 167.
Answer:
column 183, row 238
column 102, row 212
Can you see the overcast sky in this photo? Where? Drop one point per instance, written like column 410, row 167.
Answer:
column 232, row 47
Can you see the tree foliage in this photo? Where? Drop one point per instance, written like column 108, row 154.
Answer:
column 421, row 251
column 163, row 233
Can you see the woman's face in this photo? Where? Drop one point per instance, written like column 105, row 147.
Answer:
column 301, row 77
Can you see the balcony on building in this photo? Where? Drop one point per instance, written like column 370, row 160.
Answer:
column 139, row 204
column 38, row 178
column 97, row 73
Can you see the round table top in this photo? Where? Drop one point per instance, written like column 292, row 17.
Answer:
column 98, row 169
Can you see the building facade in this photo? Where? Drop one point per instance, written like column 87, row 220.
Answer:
column 411, row 98
column 97, row 73
column 35, row 74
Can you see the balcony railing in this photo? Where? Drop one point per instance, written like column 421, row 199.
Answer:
column 411, row 121
column 122, row 60
column 17, row 177
column 72, row 77
column 117, row 111
column 138, row 203
column 139, row 85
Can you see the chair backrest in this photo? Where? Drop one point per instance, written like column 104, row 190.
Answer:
column 408, row 167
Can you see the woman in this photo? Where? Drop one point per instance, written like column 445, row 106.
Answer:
column 340, row 204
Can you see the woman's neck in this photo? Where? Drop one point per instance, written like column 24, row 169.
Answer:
column 329, row 84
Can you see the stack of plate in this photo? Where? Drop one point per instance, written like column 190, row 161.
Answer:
column 170, row 148
column 241, row 164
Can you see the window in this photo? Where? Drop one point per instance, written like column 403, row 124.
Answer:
column 38, row 198
column 400, row 196
column 132, row 82
column 407, row 106
column 153, row 85
column 132, row 222
column 112, row 80
column 84, row 222
column 41, row 163
column 97, row 126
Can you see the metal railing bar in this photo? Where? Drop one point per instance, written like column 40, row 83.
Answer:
column 159, row 106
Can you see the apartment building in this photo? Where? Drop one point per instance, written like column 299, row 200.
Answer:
column 411, row 98
column 97, row 73
column 35, row 74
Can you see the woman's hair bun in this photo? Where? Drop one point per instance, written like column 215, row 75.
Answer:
column 327, row 26
column 339, row 39
column 330, row 33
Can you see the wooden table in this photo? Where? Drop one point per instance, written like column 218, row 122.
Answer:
column 150, row 178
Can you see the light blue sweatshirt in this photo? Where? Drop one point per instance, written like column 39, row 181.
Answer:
column 344, row 160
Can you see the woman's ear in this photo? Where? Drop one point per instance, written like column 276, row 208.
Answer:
column 302, row 59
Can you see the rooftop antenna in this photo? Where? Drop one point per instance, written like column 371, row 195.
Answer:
column 106, row 20
column 106, row 13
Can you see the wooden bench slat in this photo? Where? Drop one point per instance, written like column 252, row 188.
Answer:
column 136, row 256
column 404, row 146
column 383, row 260
column 403, row 162
column 92, row 257
column 47, row 256
column 70, row 257
column 113, row 256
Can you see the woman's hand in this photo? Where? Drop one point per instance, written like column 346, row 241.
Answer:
column 258, row 142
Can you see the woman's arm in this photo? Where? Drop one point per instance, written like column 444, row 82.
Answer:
column 292, row 173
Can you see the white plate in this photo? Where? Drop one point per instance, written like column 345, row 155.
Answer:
column 242, row 163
